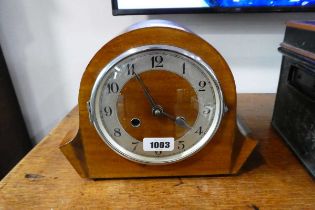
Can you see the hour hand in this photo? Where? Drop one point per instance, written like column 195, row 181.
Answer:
column 179, row 120
column 182, row 122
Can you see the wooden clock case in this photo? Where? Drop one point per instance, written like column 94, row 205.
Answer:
column 224, row 154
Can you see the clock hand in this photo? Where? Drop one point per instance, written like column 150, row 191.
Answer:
column 179, row 120
column 146, row 92
column 157, row 110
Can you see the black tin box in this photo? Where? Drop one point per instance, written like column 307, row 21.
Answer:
column 294, row 111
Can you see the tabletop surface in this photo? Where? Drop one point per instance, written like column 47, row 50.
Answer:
column 272, row 178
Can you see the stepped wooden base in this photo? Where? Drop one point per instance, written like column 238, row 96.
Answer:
column 211, row 160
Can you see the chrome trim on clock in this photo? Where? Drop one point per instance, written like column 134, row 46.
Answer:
column 88, row 105
column 157, row 23
column 225, row 108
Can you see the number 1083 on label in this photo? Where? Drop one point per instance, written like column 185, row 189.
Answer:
column 158, row 144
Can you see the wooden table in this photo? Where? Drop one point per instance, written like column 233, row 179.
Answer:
column 272, row 178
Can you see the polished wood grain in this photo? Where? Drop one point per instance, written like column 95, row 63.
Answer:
column 272, row 178
column 92, row 158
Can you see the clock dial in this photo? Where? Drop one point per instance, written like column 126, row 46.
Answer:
column 156, row 104
column 170, row 92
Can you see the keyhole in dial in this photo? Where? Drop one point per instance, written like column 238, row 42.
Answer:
column 135, row 122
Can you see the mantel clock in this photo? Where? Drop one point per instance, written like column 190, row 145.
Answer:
column 155, row 101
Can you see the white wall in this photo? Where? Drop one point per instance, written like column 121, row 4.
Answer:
column 47, row 45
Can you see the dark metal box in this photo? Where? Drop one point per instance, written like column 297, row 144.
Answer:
column 294, row 111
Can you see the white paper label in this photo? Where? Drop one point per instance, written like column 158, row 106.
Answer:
column 158, row 144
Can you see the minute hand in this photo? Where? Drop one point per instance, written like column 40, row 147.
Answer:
column 146, row 91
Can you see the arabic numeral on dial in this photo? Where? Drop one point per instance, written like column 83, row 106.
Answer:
column 108, row 111
column 130, row 69
column 207, row 109
column 181, row 145
column 112, row 87
column 117, row 132
column 157, row 61
column 199, row 131
column 135, row 145
column 202, row 85
column 158, row 153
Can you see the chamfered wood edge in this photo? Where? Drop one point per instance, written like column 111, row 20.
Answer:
column 72, row 148
column 244, row 145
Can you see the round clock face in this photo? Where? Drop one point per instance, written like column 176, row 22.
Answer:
column 156, row 104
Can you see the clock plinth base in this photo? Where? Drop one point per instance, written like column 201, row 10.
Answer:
column 105, row 165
